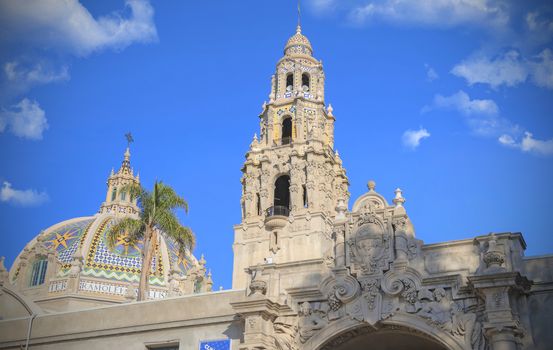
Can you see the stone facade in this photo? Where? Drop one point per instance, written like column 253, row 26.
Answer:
column 309, row 272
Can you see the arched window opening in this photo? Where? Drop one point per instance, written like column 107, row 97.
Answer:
column 282, row 196
column 286, row 131
column 38, row 273
column 123, row 195
column 243, row 205
column 305, row 205
column 114, row 194
column 305, row 85
column 258, row 201
column 289, row 82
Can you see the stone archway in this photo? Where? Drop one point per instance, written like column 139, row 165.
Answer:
column 386, row 338
column 404, row 332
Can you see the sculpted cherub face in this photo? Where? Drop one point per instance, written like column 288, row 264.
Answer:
column 305, row 308
column 439, row 294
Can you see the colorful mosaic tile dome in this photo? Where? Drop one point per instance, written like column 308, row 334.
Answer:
column 298, row 44
column 121, row 263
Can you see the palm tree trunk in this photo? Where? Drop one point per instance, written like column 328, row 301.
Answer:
column 146, row 266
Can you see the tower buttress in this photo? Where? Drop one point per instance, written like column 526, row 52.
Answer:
column 293, row 180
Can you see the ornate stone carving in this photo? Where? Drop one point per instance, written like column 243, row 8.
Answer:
column 494, row 256
column 371, row 292
column 257, row 285
column 370, row 247
column 285, row 333
column 440, row 311
column 310, row 321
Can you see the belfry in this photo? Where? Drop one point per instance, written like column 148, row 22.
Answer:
column 293, row 178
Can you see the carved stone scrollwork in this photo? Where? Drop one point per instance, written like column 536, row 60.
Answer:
column 405, row 284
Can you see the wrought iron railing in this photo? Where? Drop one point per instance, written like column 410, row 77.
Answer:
column 277, row 210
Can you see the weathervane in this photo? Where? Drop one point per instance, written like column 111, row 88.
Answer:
column 129, row 138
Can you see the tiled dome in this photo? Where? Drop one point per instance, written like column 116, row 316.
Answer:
column 298, row 44
column 87, row 235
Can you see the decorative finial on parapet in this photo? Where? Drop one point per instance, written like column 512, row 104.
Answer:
column 330, row 110
column 255, row 137
column 112, row 172
column 202, row 260
column 398, row 200
column 371, row 185
column 494, row 256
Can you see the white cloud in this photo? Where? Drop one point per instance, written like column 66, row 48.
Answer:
column 504, row 70
column 322, row 5
column 431, row 74
column 509, row 69
column 433, row 12
column 461, row 102
column 528, row 144
column 542, row 69
column 482, row 116
column 25, row 76
column 539, row 24
column 68, row 25
column 25, row 119
column 412, row 138
column 24, row 198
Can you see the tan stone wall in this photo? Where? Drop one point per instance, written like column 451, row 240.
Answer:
column 130, row 326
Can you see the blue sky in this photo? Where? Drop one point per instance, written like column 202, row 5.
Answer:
column 449, row 100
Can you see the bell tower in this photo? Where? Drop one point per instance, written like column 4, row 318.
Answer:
column 293, row 183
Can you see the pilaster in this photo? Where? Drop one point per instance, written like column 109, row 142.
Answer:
column 500, row 292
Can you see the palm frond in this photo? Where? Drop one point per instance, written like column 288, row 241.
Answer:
column 167, row 222
column 130, row 226
column 168, row 199
column 185, row 240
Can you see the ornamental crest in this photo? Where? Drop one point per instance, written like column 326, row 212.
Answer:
column 371, row 247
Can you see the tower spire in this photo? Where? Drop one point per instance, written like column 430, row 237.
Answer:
column 299, row 16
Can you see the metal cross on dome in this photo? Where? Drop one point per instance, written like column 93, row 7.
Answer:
column 129, row 138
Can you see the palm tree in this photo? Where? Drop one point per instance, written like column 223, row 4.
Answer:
column 157, row 213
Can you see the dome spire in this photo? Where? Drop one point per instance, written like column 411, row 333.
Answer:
column 117, row 200
column 126, row 165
